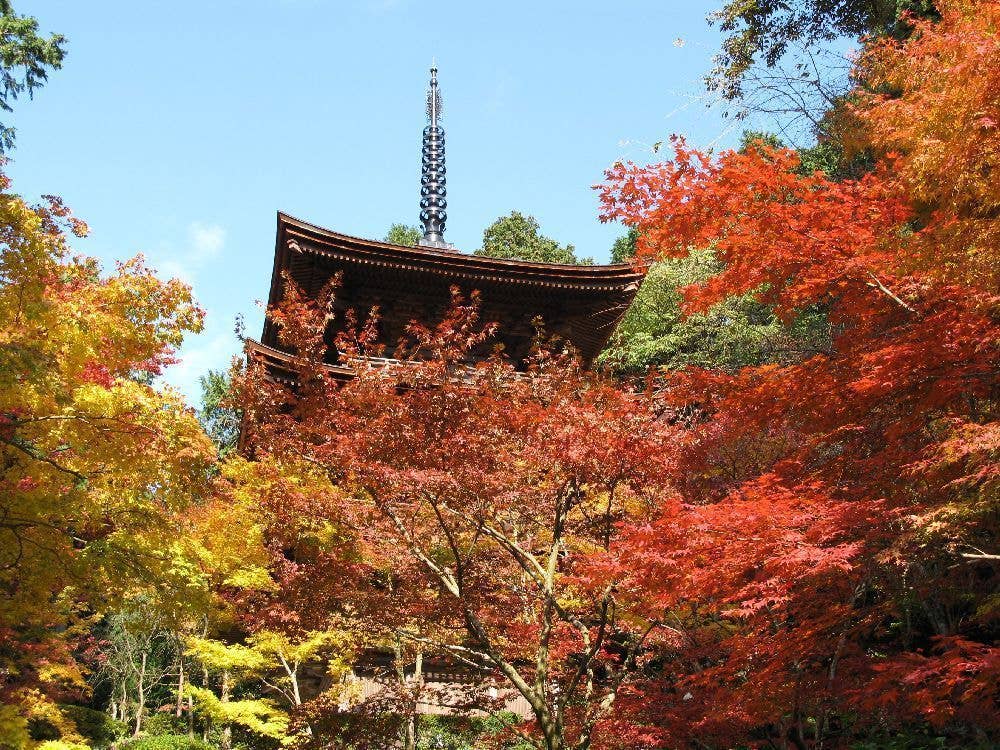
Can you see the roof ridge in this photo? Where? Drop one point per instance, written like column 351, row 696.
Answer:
column 571, row 269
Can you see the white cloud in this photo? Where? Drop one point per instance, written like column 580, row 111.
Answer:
column 207, row 240
column 173, row 269
column 184, row 260
column 199, row 355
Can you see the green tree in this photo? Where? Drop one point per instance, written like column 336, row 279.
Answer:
column 762, row 31
column 517, row 236
column 221, row 421
column 624, row 248
column 137, row 655
column 468, row 732
column 403, row 234
column 25, row 57
column 738, row 332
column 752, row 138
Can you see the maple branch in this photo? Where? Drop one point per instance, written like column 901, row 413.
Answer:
column 606, row 704
column 473, row 624
column 57, row 556
column 533, row 741
column 18, row 556
column 525, row 559
column 446, row 578
column 90, row 420
column 57, row 417
column 592, row 648
column 30, row 450
column 452, row 543
column 548, row 607
column 458, row 652
column 277, row 689
column 876, row 284
column 529, row 564
column 981, row 556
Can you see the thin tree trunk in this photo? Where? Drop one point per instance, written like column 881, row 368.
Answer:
column 123, row 703
column 292, row 670
column 418, row 689
column 410, row 729
column 227, row 730
column 294, row 678
column 141, row 690
column 410, row 735
column 206, row 725
column 180, row 687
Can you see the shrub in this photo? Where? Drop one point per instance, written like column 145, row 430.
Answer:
column 96, row 726
column 464, row 733
column 164, row 723
column 165, row 742
column 919, row 738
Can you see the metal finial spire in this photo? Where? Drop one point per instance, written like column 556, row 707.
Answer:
column 432, row 179
column 434, row 109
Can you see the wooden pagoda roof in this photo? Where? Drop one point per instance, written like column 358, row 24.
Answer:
column 583, row 304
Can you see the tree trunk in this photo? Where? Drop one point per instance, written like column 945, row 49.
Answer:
column 410, row 735
column 418, row 688
column 122, row 714
column 412, row 692
column 141, row 690
column 207, row 722
column 292, row 671
column 296, row 695
column 227, row 730
column 180, row 688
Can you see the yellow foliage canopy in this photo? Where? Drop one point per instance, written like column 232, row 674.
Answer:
column 96, row 465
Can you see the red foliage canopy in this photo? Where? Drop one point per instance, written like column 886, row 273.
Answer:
column 471, row 494
column 836, row 535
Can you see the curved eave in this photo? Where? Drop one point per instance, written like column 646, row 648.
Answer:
column 283, row 367
column 295, row 235
column 593, row 298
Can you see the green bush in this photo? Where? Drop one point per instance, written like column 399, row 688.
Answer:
column 920, row 739
column 165, row 742
column 464, row 733
column 99, row 728
column 42, row 729
column 164, row 723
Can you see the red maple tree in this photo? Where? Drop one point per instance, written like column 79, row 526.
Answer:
column 833, row 555
column 469, row 494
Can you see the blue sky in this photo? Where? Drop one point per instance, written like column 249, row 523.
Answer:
column 178, row 129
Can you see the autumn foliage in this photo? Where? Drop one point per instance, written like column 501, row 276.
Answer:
column 802, row 554
column 834, row 545
column 464, row 497
column 795, row 554
column 95, row 464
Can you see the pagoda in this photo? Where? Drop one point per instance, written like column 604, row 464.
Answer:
column 581, row 304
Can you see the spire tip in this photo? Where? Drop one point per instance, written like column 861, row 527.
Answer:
column 433, row 201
